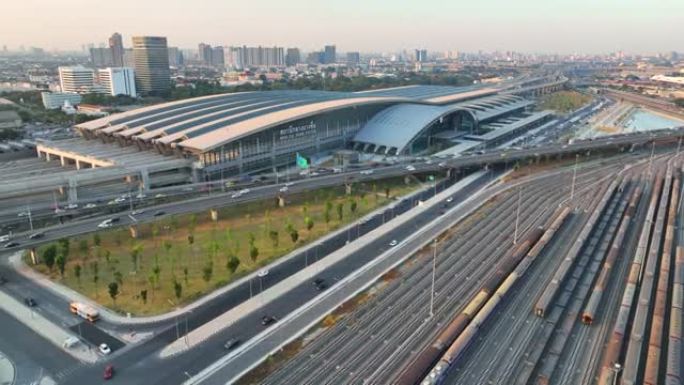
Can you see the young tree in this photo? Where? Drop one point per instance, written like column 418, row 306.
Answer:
column 83, row 246
column 113, row 290
column 97, row 241
column 157, row 272
column 327, row 217
column 143, row 296
column 251, row 239
column 309, row 223
column 207, row 271
column 77, row 273
column 95, row 268
column 135, row 253
column 118, row 278
column 233, row 264
column 353, row 206
column 340, row 211
column 387, row 192
column 273, row 234
column 253, row 253
column 63, row 245
column 167, row 246
column 185, row 275
column 177, row 289
column 49, row 256
column 294, row 235
column 150, row 279
column 60, row 260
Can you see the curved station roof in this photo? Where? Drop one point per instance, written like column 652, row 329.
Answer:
column 204, row 123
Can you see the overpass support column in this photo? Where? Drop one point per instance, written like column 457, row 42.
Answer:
column 214, row 215
column 48, row 157
column 133, row 229
column 34, row 255
column 78, row 165
column 62, row 161
column 281, row 201
column 348, row 188
column 73, row 191
column 145, row 179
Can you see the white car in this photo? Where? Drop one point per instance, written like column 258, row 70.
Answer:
column 236, row 195
column 137, row 212
column 366, row 172
column 410, row 168
column 283, row 189
column 393, row 243
column 141, row 196
column 105, row 224
column 23, row 214
column 288, row 184
column 104, row 349
column 244, row 191
column 450, row 199
column 72, row 206
column 120, row 200
column 90, row 206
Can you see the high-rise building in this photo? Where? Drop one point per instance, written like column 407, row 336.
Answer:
column 117, row 49
column 151, row 56
column 205, row 53
column 117, row 81
column 292, row 57
column 353, row 58
column 329, row 55
column 175, row 57
column 128, row 59
column 421, row 55
column 101, row 57
column 245, row 57
column 316, row 57
column 217, row 59
column 77, row 79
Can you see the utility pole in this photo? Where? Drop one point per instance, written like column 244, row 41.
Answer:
column 517, row 218
column 679, row 145
column 432, row 290
column 574, row 177
column 650, row 161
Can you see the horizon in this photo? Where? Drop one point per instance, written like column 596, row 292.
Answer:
column 529, row 26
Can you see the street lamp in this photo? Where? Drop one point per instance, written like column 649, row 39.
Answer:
column 616, row 371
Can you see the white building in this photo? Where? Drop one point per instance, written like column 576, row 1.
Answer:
column 77, row 79
column 117, row 81
column 55, row 100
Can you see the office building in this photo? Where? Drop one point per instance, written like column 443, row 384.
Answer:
column 292, row 57
column 316, row 57
column 217, row 59
column 77, row 79
column 101, row 57
column 246, row 57
column 117, row 81
column 55, row 100
column 421, row 55
column 128, row 59
column 151, row 57
column 329, row 55
column 117, row 50
column 205, row 53
column 175, row 57
column 353, row 58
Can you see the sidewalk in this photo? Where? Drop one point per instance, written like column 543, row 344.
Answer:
column 6, row 371
column 48, row 330
column 271, row 294
column 108, row 315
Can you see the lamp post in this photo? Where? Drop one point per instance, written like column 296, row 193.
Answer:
column 432, row 289
column 616, row 371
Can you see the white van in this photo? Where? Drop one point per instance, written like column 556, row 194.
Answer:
column 4, row 238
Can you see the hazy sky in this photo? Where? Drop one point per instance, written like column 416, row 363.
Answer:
column 563, row 26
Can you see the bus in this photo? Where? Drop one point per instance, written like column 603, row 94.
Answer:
column 84, row 311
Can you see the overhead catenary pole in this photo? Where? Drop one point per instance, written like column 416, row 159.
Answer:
column 432, row 290
column 574, row 177
column 650, row 160
column 517, row 218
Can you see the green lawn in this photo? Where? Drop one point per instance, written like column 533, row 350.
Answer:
column 163, row 258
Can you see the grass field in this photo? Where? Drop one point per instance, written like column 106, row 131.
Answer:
column 564, row 101
column 178, row 259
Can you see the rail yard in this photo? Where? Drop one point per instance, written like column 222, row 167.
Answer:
column 566, row 276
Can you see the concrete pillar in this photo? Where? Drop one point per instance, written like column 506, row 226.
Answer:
column 62, row 160
column 134, row 231
column 214, row 215
column 348, row 188
column 407, row 179
column 78, row 165
column 73, row 191
column 281, row 201
column 34, row 256
column 48, row 157
column 145, row 179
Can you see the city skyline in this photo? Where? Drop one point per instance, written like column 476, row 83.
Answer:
column 531, row 26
